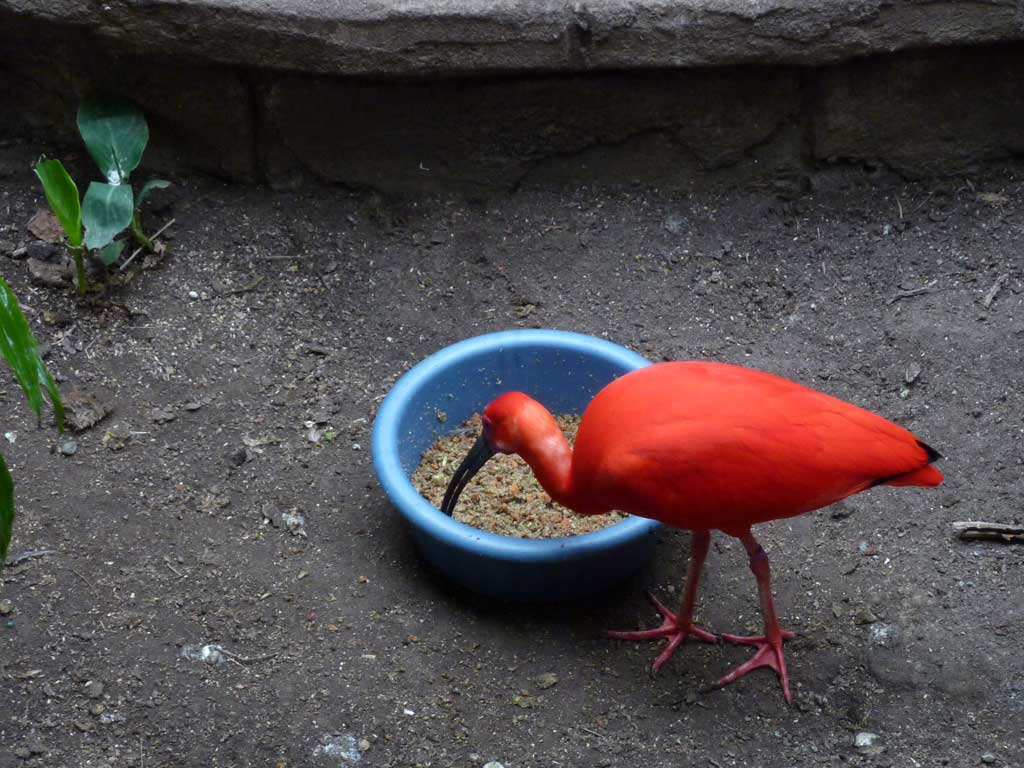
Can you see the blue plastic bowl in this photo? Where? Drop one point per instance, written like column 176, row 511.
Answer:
column 561, row 370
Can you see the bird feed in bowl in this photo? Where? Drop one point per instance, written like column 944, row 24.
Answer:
column 504, row 497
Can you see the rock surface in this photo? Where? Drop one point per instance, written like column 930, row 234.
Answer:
column 475, row 36
column 678, row 95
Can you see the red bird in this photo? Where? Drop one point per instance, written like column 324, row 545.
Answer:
column 705, row 446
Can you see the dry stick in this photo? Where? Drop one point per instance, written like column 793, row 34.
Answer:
column 247, row 659
column 906, row 294
column 87, row 582
column 139, row 250
column 974, row 529
column 994, row 290
column 174, row 570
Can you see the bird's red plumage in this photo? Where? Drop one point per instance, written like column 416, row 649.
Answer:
column 705, row 446
column 708, row 445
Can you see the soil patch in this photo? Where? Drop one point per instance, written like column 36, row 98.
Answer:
column 240, row 511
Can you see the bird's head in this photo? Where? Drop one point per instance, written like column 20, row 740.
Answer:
column 507, row 421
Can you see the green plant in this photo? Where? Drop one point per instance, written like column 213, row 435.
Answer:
column 115, row 134
column 18, row 348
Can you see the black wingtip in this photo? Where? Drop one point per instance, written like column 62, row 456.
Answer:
column 933, row 455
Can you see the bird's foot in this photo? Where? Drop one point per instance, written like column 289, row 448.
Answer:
column 672, row 628
column 769, row 654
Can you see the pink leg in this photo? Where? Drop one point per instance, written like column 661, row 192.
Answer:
column 769, row 645
column 676, row 627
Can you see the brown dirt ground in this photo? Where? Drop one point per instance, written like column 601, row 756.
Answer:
column 344, row 633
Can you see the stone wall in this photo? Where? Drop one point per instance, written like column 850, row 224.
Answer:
column 920, row 112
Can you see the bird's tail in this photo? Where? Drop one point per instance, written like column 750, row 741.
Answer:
column 927, row 476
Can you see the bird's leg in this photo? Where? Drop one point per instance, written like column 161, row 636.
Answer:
column 677, row 626
column 769, row 645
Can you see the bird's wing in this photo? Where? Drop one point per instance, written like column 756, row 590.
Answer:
column 730, row 458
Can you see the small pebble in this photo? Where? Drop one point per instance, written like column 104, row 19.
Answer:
column 493, row 764
column 363, row 745
column 674, row 223
column 238, row 457
column 68, row 447
column 988, row 758
column 546, row 680
column 94, row 689
column 864, row 739
column 41, row 250
column 912, row 373
column 865, row 616
column 866, row 743
column 193, row 294
column 6, row 607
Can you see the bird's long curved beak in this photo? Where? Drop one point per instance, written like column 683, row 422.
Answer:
column 475, row 459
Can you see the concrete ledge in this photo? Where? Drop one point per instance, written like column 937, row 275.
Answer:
column 431, row 37
column 339, row 91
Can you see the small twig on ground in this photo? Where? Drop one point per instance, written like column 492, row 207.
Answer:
column 924, row 202
column 973, row 529
column 87, row 582
column 907, row 293
column 591, row 732
column 232, row 659
column 174, row 570
column 994, row 290
column 247, row 659
column 23, row 556
column 137, row 251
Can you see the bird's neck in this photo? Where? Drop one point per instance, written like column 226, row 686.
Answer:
column 550, row 458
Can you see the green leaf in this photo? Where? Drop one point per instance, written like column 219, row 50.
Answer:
column 18, row 348
column 115, row 133
column 62, row 195
column 111, row 253
column 148, row 187
column 106, row 211
column 6, row 510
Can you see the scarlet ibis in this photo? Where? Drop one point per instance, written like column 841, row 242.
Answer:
column 704, row 446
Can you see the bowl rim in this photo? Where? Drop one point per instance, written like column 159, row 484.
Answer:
column 430, row 520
